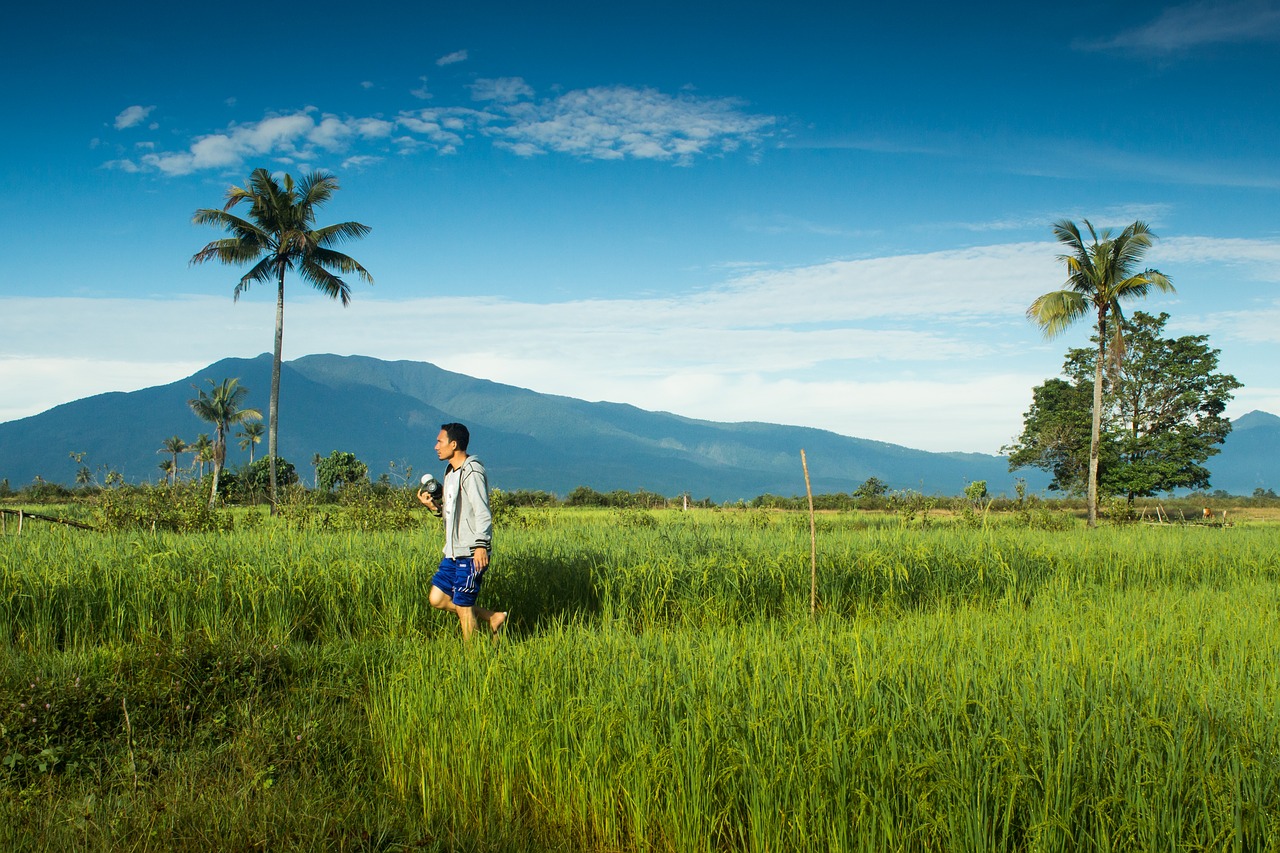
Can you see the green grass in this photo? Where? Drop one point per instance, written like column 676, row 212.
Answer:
column 664, row 687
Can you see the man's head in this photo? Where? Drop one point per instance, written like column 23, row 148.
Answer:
column 453, row 439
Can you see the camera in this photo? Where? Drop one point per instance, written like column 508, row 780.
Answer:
column 433, row 487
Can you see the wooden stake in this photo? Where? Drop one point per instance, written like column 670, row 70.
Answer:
column 813, row 541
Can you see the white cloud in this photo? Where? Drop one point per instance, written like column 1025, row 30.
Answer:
column 503, row 89
column 1259, row 325
column 1261, row 257
column 421, row 93
column 452, row 58
column 53, row 380
column 609, row 123
column 438, row 126
column 929, row 350
column 1204, row 22
column 360, row 161
column 883, row 348
column 132, row 116
column 289, row 138
column 366, row 84
column 606, row 123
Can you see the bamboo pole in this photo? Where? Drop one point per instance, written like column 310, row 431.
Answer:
column 23, row 515
column 813, row 541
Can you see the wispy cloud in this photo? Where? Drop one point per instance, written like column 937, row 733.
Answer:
column 295, row 137
column 779, row 346
column 132, row 117
column 360, row 161
column 609, row 123
column 885, row 348
column 504, row 90
column 452, row 58
column 1190, row 25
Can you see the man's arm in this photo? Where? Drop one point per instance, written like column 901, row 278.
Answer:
column 475, row 494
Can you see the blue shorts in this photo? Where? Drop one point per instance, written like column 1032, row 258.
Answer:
column 457, row 578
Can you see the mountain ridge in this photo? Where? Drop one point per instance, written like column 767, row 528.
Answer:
column 388, row 413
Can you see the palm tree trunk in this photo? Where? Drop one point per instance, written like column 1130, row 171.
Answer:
column 1095, row 434
column 219, row 454
column 274, row 409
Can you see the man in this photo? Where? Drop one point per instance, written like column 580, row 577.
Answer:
column 468, row 533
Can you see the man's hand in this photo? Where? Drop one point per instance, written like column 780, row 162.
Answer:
column 425, row 500
column 480, row 558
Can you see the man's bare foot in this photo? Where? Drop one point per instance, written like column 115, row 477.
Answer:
column 497, row 622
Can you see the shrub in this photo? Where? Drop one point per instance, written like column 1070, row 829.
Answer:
column 181, row 508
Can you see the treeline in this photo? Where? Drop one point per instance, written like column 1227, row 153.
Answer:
column 249, row 486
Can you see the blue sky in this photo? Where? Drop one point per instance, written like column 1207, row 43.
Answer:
column 780, row 212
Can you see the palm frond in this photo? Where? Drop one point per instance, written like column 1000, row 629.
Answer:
column 1056, row 311
column 332, row 235
column 264, row 271
column 345, row 264
column 316, row 189
column 325, row 282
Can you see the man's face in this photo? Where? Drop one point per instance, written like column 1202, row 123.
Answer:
column 445, row 447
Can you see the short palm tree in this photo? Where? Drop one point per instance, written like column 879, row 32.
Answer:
column 250, row 435
column 222, row 407
column 173, row 446
column 202, row 448
column 1100, row 275
column 279, row 235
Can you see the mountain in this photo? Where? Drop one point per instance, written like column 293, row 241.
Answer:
column 1250, row 457
column 388, row 413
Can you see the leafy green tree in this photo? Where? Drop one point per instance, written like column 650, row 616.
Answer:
column 1162, row 420
column 223, row 407
column 255, row 479
column 1055, row 434
column 585, row 496
column 1100, row 275
column 174, row 446
column 872, row 487
column 251, row 435
column 279, row 234
column 338, row 469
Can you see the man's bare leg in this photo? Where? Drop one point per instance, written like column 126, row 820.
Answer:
column 440, row 600
column 468, row 617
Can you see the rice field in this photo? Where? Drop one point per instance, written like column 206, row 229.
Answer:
column 664, row 687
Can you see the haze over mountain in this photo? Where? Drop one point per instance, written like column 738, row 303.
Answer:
column 388, row 414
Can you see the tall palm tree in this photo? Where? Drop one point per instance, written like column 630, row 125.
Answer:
column 279, row 235
column 222, row 408
column 173, row 446
column 250, row 435
column 1100, row 275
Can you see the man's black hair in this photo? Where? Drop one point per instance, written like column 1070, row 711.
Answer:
column 458, row 433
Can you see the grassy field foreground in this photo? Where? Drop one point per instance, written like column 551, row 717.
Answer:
column 664, row 688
